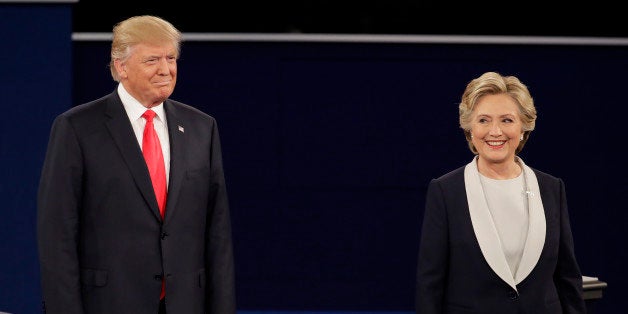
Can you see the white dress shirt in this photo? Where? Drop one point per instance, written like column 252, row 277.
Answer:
column 134, row 109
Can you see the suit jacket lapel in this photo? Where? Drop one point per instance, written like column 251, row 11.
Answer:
column 483, row 226
column 486, row 232
column 176, row 133
column 122, row 133
column 536, row 227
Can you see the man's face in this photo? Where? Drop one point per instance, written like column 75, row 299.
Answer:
column 150, row 73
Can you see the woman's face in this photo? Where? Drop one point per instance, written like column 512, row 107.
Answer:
column 496, row 128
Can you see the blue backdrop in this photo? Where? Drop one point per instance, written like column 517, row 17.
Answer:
column 328, row 150
column 35, row 85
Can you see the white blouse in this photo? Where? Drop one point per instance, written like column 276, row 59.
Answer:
column 507, row 203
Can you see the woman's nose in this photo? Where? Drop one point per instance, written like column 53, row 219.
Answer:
column 495, row 130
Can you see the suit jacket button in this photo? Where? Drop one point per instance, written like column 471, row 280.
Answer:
column 513, row 295
column 164, row 235
column 158, row 277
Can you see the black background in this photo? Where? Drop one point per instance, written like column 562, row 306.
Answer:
column 550, row 18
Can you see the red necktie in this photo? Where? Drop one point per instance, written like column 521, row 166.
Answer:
column 156, row 167
column 154, row 160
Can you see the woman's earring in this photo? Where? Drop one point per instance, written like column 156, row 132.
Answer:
column 521, row 138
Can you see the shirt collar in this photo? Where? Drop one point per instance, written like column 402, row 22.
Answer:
column 135, row 109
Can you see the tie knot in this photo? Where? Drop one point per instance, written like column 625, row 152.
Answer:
column 149, row 115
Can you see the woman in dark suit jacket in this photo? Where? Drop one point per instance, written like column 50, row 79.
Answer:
column 496, row 236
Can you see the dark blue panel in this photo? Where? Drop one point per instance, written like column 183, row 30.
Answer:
column 329, row 147
column 36, row 85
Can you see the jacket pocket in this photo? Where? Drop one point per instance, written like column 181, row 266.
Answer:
column 201, row 278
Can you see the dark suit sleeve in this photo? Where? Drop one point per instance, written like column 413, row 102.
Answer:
column 58, row 202
column 221, row 290
column 433, row 256
column 567, row 277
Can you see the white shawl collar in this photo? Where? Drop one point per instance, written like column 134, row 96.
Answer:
column 486, row 232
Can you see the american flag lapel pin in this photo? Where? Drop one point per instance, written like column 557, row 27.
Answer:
column 181, row 129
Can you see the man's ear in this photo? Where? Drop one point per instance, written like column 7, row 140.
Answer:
column 120, row 68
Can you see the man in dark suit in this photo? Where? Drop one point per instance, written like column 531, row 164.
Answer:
column 105, row 244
